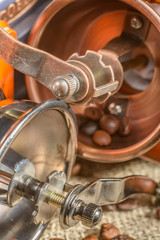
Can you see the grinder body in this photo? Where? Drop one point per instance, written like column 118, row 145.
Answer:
column 91, row 25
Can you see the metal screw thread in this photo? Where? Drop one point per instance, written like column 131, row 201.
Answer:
column 54, row 199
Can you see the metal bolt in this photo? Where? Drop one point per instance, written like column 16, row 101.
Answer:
column 42, row 194
column 89, row 214
column 65, row 86
column 136, row 22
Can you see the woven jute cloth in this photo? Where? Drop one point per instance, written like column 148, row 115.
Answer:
column 140, row 223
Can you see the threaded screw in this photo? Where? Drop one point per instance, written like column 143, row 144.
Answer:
column 89, row 214
column 54, row 199
column 136, row 22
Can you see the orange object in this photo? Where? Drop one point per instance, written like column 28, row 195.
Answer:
column 153, row 1
column 6, row 71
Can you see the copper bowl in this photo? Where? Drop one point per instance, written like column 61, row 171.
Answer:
column 68, row 26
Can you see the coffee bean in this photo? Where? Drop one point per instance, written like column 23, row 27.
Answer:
column 125, row 126
column 158, row 213
column 101, row 138
column 127, row 205
column 76, row 169
column 89, row 128
column 140, row 185
column 107, row 226
column 123, row 237
column 108, row 231
column 93, row 113
column 90, row 237
column 109, row 123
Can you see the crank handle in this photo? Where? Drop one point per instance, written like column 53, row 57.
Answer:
column 75, row 80
column 33, row 62
column 115, row 190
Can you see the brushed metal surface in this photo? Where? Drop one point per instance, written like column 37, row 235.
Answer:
column 46, row 135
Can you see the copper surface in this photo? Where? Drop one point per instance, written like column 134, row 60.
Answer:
column 96, row 75
column 15, row 10
column 69, row 26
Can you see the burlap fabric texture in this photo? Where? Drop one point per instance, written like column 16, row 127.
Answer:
column 140, row 223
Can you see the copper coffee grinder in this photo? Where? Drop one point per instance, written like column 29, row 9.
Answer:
column 117, row 32
column 83, row 63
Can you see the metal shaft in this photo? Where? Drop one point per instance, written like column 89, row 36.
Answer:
column 32, row 189
column 138, row 62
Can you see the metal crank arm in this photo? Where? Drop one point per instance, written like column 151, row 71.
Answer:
column 115, row 190
column 31, row 61
column 77, row 80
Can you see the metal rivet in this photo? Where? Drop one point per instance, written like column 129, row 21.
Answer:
column 136, row 22
column 65, row 86
column 60, row 87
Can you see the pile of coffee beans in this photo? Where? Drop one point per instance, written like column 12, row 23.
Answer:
column 108, row 232
column 98, row 125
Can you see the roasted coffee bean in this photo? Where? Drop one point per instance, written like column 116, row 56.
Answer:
column 123, row 237
column 93, row 113
column 76, row 169
column 140, row 185
column 101, row 138
column 108, row 231
column 158, row 213
column 89, row 128
column 109, row 123
column 90, row 237
column 81, row 120
column 125, row 126
column 127, row 205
